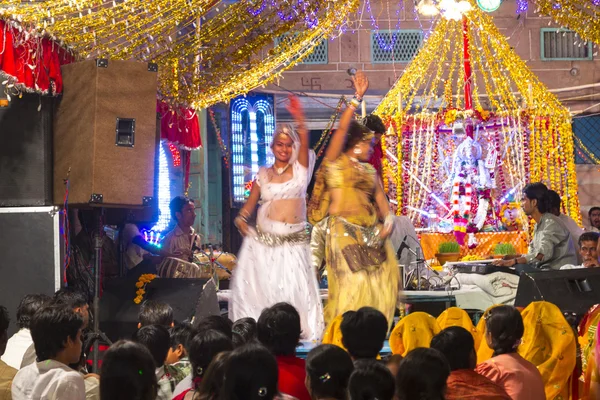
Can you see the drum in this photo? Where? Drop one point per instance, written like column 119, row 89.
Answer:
column 172, row 267
column 226, row 260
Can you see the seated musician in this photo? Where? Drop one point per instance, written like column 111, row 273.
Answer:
column 182, row 241
column 588, row 250
column 139, row 256
column 551, row 246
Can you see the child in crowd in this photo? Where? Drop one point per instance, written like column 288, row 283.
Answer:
column 422, row 374
column 364, row 332
column 243, row 330
column 328, row 369
column 178, row 355
column 370, row 380
column 56, row 333
column 155, row 313
column 156, row 339
column 128, row 372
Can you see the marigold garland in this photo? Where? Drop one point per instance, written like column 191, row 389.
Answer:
column 141, row 286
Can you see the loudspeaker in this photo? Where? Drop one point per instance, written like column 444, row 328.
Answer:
column 119, row 314
column 573, row 291
column 26, row 151
column 105, row 134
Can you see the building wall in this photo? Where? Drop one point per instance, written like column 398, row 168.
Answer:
column 352, row 49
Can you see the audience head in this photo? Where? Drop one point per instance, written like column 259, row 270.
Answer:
column 250, row 374
column 554, row 202
column 594, row 215
column 422, row 374
column 504, row 329
column 128, row 373
column 28, row 306
column 204, row 346
column 243, row 331
column 535, row 199
column 212, row 381
column 371, row 380
column 56, row 333
column 4, row 321
column 328, row 369
column 180, row 336
column 588, row 248
column 156, row 339
column 363, row 332
column 216, row 322
column 155, row 313
column 278, row 328
column 183, row 210
column 359, row 141
column 458, row 346
column 76, row 300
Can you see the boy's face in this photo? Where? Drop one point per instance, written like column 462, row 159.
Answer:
column 174, row 355
column 73, row 348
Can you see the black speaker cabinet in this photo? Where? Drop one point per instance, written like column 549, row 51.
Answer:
column 26, row 151
column 574, row 290
column 119, row 314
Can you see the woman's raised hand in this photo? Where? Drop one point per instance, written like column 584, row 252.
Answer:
column 361, row 83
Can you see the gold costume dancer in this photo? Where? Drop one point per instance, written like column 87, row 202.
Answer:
column 347, row 199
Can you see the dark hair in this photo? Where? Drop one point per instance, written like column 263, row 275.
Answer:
column 457, row 345
column 180, row 334
column 51, row 326
column 554, row 200
column 374, row 123
column 538, row 191
column 177, row 204
column 422, row 375
column 128, row 373
column 156, row 339
column 71, row 297
column 356, row 133
column 28, row 306
column 243, row 331
column 592, row 210
column 204, row 346
column 212, row 381
column 278, row 329
column 250, row 374
column 363, row 332
column 155, row 313
column 4, row 319
column 371, row 380
column 505, row 325
column 589, row 237
column 217, row 323
column 328, row 368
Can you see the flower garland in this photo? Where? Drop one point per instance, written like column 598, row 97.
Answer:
column 141, row 286
column 461, row 206
column 509, row 207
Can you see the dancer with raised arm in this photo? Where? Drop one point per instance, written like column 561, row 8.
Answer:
column 274, row 260
column 361, row 264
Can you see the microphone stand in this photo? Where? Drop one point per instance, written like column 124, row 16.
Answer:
column 420, row 259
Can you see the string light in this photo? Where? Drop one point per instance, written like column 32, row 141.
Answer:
column 164, row 191
column 206, row 54
column 175, row 154
column 525, row 122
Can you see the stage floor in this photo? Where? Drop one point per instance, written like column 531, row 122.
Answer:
column 305, row 347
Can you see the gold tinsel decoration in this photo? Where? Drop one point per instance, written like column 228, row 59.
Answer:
column 581, row 16
column 430, row 92
column 207, row 51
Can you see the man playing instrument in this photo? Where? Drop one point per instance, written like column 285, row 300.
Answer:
column 182, row 241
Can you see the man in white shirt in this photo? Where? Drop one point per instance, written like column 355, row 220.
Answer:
column 138, row 254
column 594, row 215
column 56, row 333
column 19, row 342
column 588, row 250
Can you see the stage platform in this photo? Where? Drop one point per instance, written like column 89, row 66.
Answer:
column 305, row 347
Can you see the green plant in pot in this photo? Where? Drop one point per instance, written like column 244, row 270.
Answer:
column 448, row 252
column 504, row 249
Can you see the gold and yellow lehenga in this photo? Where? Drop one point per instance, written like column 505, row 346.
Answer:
column 361, row 268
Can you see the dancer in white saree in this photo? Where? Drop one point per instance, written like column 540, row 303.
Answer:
column 274, row 262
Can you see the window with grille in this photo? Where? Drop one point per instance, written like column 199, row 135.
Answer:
column 319, row 55
column 389, row 46
column 562, row 44
column 587, row 139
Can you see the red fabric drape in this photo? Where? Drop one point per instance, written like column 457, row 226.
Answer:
column 32, row 63
column 179, row 125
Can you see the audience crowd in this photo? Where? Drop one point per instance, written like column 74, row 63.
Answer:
column 214, row 359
